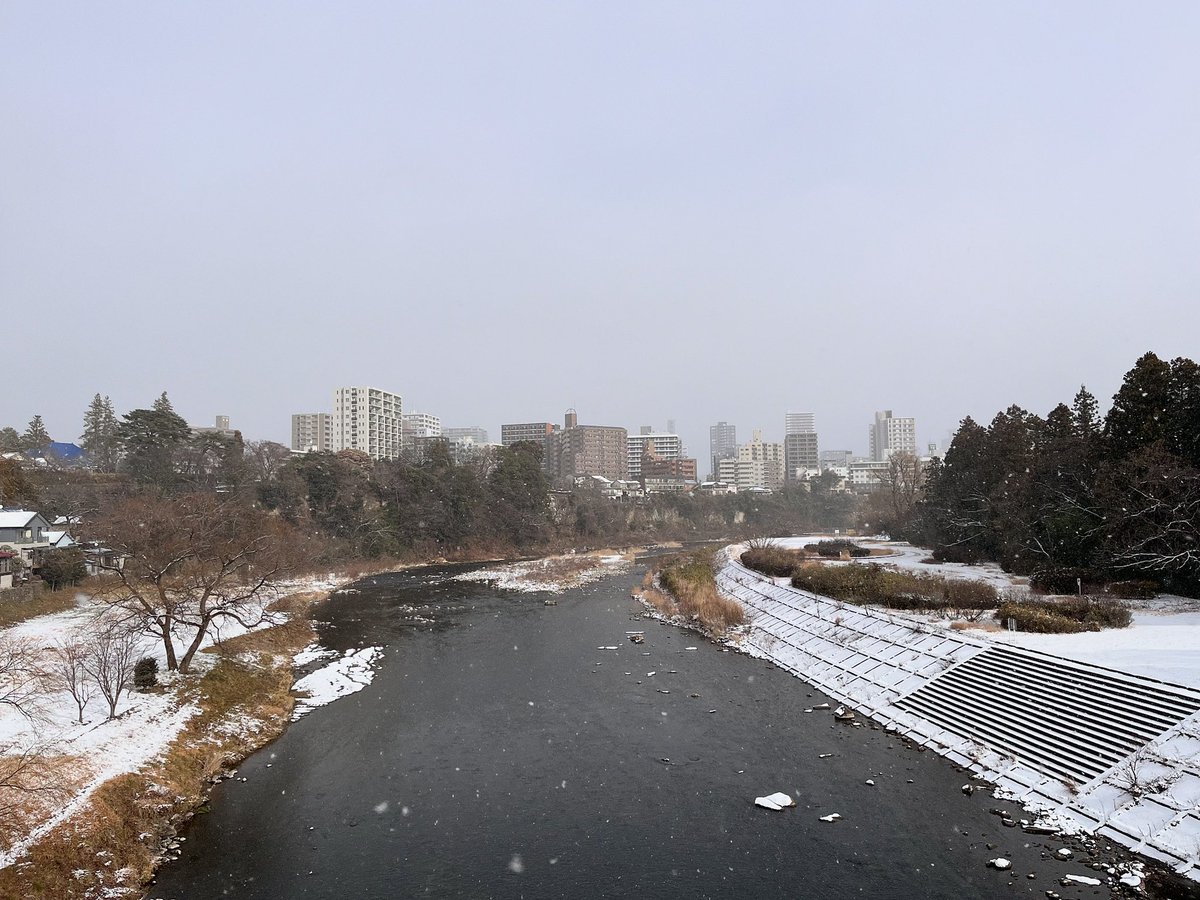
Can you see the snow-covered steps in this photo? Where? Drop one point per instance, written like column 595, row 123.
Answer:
column 1089, row 747
column 857, row 654
column 1064, row 718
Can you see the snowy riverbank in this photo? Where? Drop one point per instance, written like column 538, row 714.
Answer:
column 78, row 758
column 1094, row 749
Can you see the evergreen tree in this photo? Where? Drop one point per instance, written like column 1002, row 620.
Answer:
column 99, row 436
column 1140, row 408
column 1086, row 414
column 36, row 437
column 10, row 440
column 150, row 439
column 162, row 404
column 1183, row 424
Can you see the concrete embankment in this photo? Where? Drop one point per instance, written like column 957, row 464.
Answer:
column 1093, row 749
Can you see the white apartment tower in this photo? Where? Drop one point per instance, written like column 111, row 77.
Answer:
column 368, row 419
column 890, row 434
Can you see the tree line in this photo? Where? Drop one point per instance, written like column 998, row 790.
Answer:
column 1077, row 494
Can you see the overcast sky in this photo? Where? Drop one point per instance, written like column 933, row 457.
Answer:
column 696, row 211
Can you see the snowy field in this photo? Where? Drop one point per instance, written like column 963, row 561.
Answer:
column 145, row 724
column 1163, row 642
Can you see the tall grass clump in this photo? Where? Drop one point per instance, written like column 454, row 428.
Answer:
column 690, row 581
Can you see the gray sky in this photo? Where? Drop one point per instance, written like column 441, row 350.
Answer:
column 700, row 211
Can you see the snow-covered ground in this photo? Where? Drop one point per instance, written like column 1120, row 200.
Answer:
column 552, row 574
column 100, row 748
column 1163, row 642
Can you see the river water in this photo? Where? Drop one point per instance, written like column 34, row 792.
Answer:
column 499, row 753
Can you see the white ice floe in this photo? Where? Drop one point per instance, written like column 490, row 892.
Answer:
column 1081, row 879
column 832, row 817
column 348, row 674
column 776, row 801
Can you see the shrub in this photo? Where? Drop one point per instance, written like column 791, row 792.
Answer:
column 1062, row 580
column 1132, row 590
column 776, row 562
column 145, row 674
column 1065, row 615
column 876, row 585
column 833, row 549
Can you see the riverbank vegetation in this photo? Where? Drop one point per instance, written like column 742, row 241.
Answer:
column 1077, row 497
column 957, row 598
column 689, row 591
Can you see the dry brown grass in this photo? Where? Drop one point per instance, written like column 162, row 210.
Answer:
column 689, row 579
column 41, row 603
column 127, row 818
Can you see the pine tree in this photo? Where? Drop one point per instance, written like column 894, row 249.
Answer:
column 36, row 437
column 1086, row 413
column 1140, row 408
column 162, row 404
column 99, row 437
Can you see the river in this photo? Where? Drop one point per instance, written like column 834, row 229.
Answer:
column 499, row 753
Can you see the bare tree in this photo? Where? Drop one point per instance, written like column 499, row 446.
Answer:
column 70, row 671
column 193, row 562
column 109, row 658
column 899, row 489
column 22, row 679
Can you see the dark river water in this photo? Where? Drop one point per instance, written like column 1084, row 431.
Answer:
column 499, row 753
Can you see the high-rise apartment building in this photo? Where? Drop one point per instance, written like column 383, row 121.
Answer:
column 525, row 431
column 799, row 445
column 586, row 450
column 368, row 419
column 722, row 443
column 312, row 431
column 890, row 434
column 800, row 455
column 766, row 461
column 799, row 423
column 660, row 445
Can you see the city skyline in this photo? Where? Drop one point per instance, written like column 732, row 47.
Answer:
column 707, row 213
